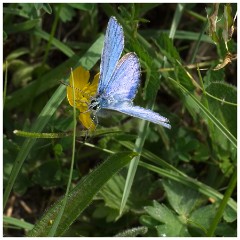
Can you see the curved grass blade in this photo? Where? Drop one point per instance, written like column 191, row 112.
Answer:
column 81, row 196
column 17, row 223
column 58, row 44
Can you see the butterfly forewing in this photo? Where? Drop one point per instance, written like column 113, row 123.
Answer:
column 112, row 50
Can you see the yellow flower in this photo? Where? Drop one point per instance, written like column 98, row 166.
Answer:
column 84, row 91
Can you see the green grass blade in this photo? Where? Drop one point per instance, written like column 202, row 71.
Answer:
column 44, row 117
column 209, row 115
column 180, row 34
column 153, row 158
column 139, row 143
column 55, row 42
column 81, row 196
column 223, row 204
column 59, row 216
column 17, row 223
column 198, row 42
column 176, row 19
column 53, row 30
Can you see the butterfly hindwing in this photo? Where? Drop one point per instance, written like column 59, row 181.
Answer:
column 142, row 113
column 125, row 79
column 112, row 50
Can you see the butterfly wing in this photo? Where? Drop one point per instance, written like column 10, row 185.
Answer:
column 142, row 113
column 112, row 50
column 125, row 79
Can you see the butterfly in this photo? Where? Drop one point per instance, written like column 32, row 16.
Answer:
column 119, row 80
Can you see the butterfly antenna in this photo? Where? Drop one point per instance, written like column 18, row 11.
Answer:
column 81, row 91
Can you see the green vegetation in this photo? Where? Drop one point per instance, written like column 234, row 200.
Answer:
column 130, row 177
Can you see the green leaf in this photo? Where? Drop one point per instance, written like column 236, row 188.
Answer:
column 112, row 191
column 228, row 23
column 67, row 12
column 83, row 6
column 202, row 217
column 172, row 226
column 47, row 8
column 21, row 27
column 227, row 114
column 229, row 215
column 81, row 196
column 182, row 199
column 226, row 230
column 165, row 44
column 38, row 6
column 22, row 183
column 202, row 153
column 48, row 174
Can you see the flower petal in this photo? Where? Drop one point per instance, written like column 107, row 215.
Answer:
column 81, row 77
column 86, row 120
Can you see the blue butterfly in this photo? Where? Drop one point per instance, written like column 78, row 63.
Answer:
column 119, row 79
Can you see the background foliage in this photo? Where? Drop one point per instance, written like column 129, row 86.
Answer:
column 181, row 182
